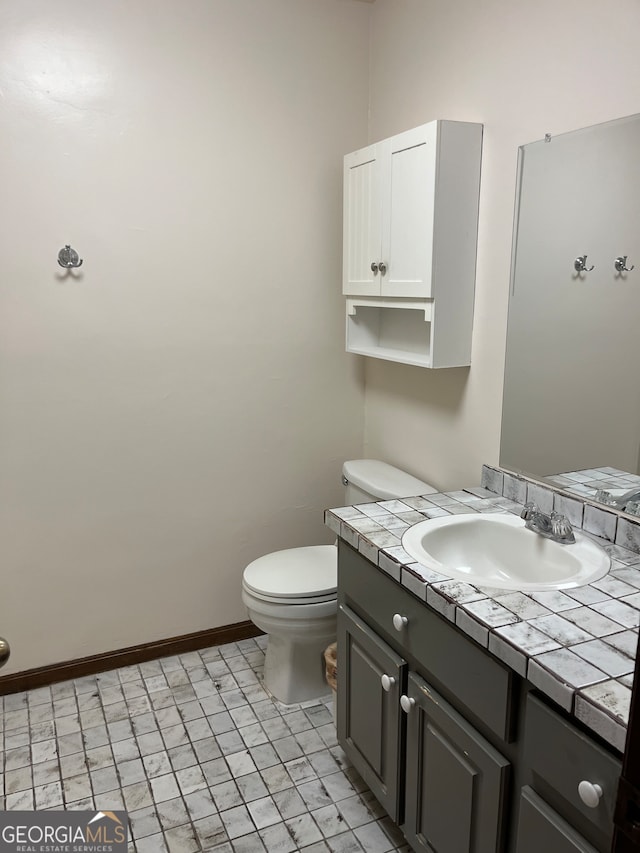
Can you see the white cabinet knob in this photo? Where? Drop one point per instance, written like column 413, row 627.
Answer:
column 406, row 703
column 387, row 682
column 589, row 794
column 399, row 621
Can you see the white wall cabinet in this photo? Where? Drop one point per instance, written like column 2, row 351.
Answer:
column 410, row 236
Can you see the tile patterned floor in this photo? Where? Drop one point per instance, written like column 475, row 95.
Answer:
column 197, row 753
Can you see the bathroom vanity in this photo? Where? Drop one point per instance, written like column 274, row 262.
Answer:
column 469, row 740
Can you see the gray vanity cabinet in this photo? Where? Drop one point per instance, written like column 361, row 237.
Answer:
column 369, row 723
column 540, row 828
column 435, row 774
column 455, row 780
column 461, row 753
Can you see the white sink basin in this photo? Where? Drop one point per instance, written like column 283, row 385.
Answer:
column 495, row 549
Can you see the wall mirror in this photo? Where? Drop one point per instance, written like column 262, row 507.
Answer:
column 572, row 387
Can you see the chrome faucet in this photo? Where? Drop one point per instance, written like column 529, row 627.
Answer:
column 555, row 526
column 621, row 503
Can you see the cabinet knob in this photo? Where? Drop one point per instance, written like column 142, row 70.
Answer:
column 382, row 267
column 589, row 793
column 399, row 622
column 374, row 268
column 387, row 682
column 407, row 703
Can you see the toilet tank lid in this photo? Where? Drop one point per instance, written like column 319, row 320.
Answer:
column 382, row 480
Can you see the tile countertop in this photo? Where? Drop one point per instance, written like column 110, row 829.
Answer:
column 577, row 646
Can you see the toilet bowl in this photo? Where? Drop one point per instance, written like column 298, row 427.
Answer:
column 291, row 595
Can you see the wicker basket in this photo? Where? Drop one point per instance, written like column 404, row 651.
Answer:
column 331, row 661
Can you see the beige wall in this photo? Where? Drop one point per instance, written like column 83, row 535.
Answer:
column 523, row 70
column 183, row 405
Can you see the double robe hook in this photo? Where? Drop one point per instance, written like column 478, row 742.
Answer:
column 68, row 258
column 620, row 264
column 580, row 264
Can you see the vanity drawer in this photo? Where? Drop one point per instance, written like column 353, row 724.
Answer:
column 560, row 757
column 464, row 673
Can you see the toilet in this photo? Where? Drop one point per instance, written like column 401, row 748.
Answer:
column 291, row 595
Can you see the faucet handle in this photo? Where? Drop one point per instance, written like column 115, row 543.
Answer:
column 604, row 497
column 561, row 527
column 529, row 510
column 633, row 507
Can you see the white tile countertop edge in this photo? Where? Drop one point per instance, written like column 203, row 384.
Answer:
column 577, row 646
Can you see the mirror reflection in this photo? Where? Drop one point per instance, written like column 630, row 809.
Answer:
column 571, row 408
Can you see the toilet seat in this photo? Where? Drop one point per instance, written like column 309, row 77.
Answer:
column 289, row 601
column 307, row 575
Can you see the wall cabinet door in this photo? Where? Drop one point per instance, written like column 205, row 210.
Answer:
column 362, row 221
column 370, row 677
column 455, row 779
column 408, row 213
column 389, row 195
column 540, row 828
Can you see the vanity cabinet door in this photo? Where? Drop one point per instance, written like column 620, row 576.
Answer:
column 370, row 677
column 455, row 779
column 569, row 759
column 540, row 828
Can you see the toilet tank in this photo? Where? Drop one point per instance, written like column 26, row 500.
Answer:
column 369, row 480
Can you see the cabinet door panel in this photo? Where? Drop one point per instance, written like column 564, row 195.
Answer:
column 408, row 217
column 569, row 757
column 540, row 828
column 455, row 779
column 447, row 793
column 362, row 242
column 368, row 717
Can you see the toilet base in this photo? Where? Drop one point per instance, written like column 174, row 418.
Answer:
column 297, row 635
column 295, row 672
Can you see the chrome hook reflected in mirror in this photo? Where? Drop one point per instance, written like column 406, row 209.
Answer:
column 621, row 264
column 580, row 264
column 68, row 258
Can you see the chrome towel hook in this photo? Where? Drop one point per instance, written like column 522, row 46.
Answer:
column 621, row 264
column 580, row 264
column 68, row 258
